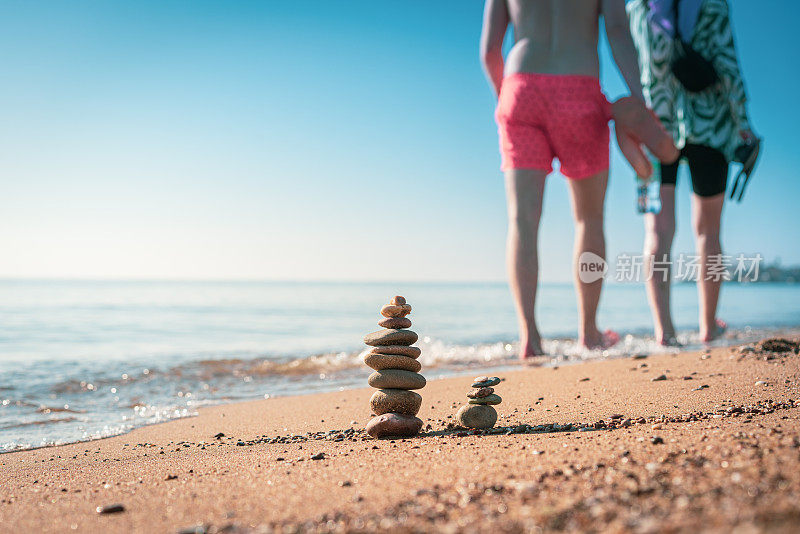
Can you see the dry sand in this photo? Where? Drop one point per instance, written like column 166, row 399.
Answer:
column 726, row 456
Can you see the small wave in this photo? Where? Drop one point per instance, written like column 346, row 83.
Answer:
column 326, row 362
column 58, row 409
column 118, row 403
column 75, row 385
column 39, row 423
column 212, row 373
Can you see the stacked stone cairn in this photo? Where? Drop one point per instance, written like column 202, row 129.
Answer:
column 480, row 412
column 395, row 405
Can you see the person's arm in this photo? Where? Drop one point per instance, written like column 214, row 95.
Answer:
column 619, row 37
column 495, row 23
column 727, row 66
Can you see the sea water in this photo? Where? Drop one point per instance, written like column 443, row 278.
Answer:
column 86, row 359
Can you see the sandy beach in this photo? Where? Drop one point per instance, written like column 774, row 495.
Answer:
column 600, row 446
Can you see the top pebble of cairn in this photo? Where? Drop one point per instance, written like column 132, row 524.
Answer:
column 396, row 374
column 397, row 307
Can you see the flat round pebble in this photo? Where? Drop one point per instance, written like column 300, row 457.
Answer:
column 396, row 379
column 380, row 362
column 489, row 399
column 395, row 401
column 391, row 310
column 411, row 352
column 486, row 382
column 394, row 425
column 395, row 322
column 476, row 416
column 391, row 337
column 483, row 392
column 397, row 300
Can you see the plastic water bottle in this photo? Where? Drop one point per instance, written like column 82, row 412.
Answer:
column 648, row 198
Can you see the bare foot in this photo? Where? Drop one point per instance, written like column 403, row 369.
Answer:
column 531, row 348
column 666, row 338
column 596, row 340
column 671, row 341
column 719, row 328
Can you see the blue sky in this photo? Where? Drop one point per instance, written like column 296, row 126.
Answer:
column 319, row 140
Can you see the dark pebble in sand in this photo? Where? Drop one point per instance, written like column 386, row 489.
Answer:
column 659, row 378
column 171, row 477
column 110, row 509
column 639, row 356
column 219, row 436
column 656, row 440
column 319, row 456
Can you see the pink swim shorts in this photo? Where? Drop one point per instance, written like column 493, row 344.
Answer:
column 546, row 116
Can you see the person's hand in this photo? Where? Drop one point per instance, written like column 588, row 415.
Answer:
column 636, row 125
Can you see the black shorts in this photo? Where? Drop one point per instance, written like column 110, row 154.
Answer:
column 708, row 167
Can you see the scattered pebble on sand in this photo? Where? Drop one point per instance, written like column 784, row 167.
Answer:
column 111, row 509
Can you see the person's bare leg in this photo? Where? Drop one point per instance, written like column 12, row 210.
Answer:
column 588, row 196
column 524, row 192
column 706, row 216
column 659, row 233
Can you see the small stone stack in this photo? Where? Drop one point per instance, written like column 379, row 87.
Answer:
column 395, row 362
column 480, row 413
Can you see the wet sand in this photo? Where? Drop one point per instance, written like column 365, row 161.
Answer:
column 596, row 446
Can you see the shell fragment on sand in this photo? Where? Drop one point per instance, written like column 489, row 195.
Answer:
column 391, row 337
column 395, row 322
column 489, row 399
column 396, row 379
column 483, row 392
column 391, row 310
column 394, row 425
column 379, row 362
column 395, row 401
column 476, row 416
column 485, row 382
column 411, row 352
